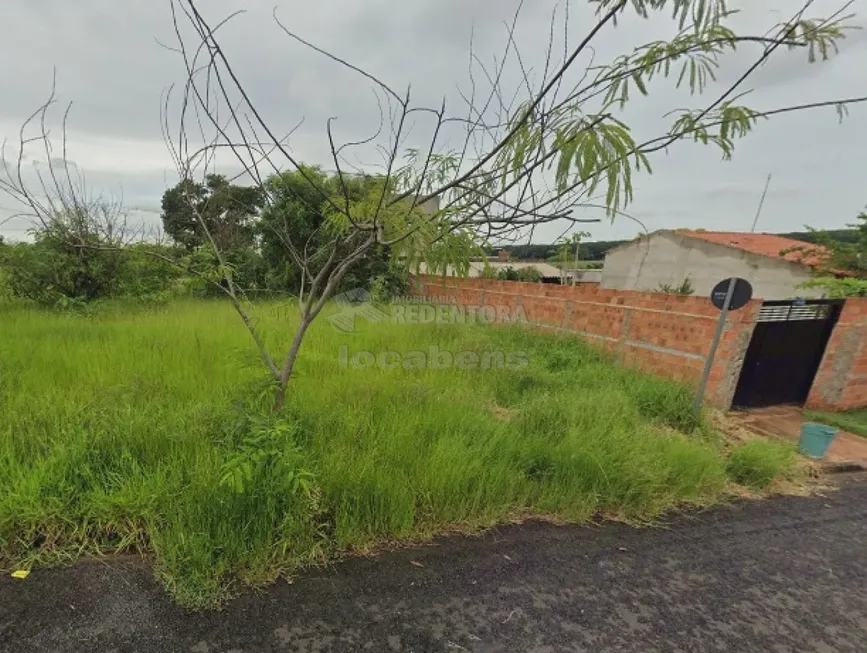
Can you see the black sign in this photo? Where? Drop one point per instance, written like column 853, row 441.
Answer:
column 742, row 295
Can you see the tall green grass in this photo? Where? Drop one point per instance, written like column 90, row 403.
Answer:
column 759, row 463
column 149, row 430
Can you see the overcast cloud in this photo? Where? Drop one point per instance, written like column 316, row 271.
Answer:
column 109, row 63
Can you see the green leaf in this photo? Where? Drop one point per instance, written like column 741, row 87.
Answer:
column 639, row 82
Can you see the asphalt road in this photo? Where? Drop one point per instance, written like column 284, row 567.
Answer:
column 782, row 575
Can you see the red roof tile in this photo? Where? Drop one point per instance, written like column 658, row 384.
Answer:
column 763, row 244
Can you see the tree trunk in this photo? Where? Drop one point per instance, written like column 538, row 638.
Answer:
column 310, row 312
column 289, row 364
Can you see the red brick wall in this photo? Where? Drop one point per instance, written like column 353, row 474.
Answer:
column 669, row 335
column 841, row 382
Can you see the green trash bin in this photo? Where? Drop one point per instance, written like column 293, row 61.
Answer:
column 816, row 438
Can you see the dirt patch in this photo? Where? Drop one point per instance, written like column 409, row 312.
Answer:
column 733, row 428
column 502, row 413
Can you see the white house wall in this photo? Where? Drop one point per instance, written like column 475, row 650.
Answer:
column 668, row 258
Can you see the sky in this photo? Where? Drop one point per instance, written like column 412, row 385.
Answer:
column 112, row 62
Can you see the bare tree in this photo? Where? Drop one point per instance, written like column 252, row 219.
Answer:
column 86, row 230
column 499, row 164
column 54, row 193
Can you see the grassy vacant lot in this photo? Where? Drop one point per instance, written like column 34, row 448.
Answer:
column 149, row 430
column 854, row 421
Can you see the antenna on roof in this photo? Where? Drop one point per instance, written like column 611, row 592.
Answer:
column 761, row 204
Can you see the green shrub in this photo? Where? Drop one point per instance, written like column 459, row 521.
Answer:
column 530, row 274
column 146, row 274
column 758, row 463
column 685, row 288
column 665, row 402
column 386, row 280
column 838, row 288
column 6, row 295
column 51, row 271
column 508, row 273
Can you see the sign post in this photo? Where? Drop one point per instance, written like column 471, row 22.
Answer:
column 728, row 295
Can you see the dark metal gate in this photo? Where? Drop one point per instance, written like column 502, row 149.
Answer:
column 785, row 352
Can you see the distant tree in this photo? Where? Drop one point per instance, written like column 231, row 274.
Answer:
column 840, row 265
column 525, row 252
column 829, row 254
column 568, row 254
column 590, row 251
column 848, row 254
column 297, row 213
column 191, row 210
column 812, row 237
